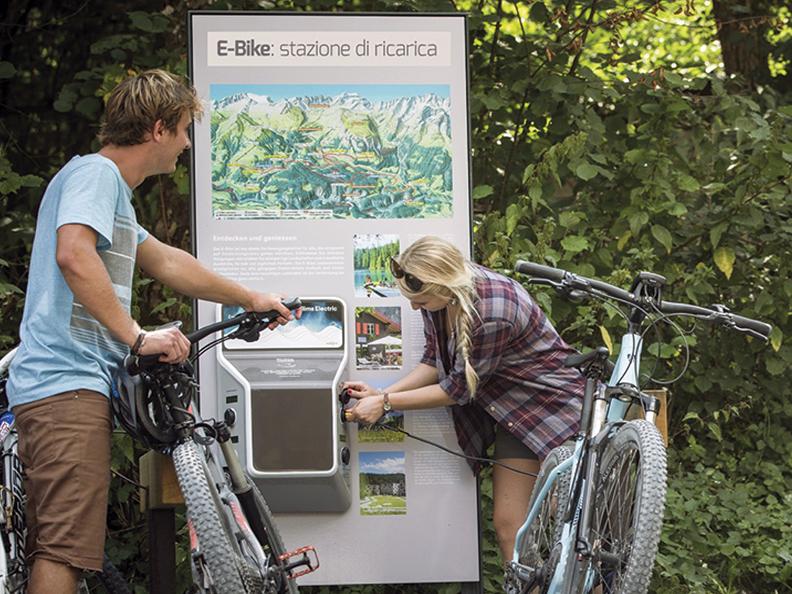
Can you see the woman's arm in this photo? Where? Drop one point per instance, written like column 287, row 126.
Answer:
column 370, row 409
column 421, row 376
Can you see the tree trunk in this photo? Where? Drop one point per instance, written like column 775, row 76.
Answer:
column 742, row 32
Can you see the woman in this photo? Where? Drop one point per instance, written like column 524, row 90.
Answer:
column 493, row 357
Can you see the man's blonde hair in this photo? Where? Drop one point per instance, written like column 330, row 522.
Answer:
column 446, row 273
column 136, row 104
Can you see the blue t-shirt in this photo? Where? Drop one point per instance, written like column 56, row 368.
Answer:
column 63, row 347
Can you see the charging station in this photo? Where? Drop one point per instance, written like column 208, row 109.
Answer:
column 281, row 402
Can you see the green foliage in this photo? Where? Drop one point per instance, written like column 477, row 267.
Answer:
column 606, row 139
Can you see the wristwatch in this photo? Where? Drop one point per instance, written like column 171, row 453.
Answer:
column 386, row 405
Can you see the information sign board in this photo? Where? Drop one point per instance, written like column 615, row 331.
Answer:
column 329, row 144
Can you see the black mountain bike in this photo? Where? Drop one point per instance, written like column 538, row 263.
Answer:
column 235, row 544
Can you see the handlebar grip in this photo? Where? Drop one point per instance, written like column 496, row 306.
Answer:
column 293, row 303
column 761, row 327
column 539, row 270
column 671, row 307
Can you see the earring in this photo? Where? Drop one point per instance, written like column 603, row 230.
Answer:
column 453, row 301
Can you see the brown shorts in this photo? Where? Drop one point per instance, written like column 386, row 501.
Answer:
column 64, row 445
column 508, row 446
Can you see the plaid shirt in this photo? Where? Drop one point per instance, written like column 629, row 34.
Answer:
column 518, row 356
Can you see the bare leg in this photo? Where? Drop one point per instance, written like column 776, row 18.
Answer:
column 511, row 493
column 49, row 577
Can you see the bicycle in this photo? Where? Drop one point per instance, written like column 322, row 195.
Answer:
column 235, row 545
column 14, row 570
column 595, row 515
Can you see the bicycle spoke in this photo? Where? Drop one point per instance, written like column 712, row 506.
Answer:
column 614, row 528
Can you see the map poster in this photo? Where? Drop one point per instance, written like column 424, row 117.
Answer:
column 331, row 151
column 329, row 143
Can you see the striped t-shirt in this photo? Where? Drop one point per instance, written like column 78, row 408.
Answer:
column 63, row 347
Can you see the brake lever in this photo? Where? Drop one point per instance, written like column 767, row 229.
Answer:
column 248, row 330
column 750, row 332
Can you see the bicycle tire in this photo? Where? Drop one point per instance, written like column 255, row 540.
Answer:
column 274, row 545
column 539, row 547
column 111, row 579
column 627, row 511
column 222, row 561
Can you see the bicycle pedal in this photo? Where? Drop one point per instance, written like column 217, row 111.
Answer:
column 308, row 558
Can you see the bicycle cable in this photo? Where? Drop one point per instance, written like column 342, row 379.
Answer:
column 683, row 335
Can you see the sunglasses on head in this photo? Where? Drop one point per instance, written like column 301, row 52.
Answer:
column 413, row 283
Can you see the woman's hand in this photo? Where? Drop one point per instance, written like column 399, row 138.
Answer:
column 360, row 390
column 367, row 410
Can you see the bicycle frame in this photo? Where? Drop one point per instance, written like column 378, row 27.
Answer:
column 604, row 411
column 575, row 552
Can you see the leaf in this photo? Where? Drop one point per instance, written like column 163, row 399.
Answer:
column 637, row 221
column 776, row 338
column 569, row 219
column 688, row 183
column 716, row 232
column 724, row 260
column 141, row 20
column 513, row 214
column 606, row 337
column 623, row 240
column 690, row 416
column 775, row 366
column 539, row 12
column 586, row 171
column 9, row 289
column 574, row 243
column 662, row 235
column 7, row 70
column 483, row 191
column 715, row 430
column 88, row 106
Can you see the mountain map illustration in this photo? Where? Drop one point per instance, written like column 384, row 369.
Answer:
column 333, row 153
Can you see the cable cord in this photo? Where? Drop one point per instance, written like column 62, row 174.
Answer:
column 457, row 454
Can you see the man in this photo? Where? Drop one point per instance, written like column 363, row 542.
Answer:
column 76, row 326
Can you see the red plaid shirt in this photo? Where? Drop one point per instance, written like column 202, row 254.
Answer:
column 518, row 356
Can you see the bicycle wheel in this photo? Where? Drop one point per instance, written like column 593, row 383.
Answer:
column 628, row 510
column 273, row 547
column 539, row 547
column 222, row 570
column 111, row 578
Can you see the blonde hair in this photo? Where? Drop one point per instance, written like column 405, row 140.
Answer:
column 445, row 272
column 136, row 104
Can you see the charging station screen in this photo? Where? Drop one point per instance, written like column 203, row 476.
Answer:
column 321, row 326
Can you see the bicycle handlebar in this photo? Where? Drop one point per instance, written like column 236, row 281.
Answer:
column 557, row 277
column 255, row 321
column 260, row 319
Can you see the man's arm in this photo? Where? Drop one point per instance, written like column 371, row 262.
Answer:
column 183, row 273
column 87, row 277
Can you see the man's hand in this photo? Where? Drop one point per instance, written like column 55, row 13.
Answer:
column 263, row 302
column 170, row 342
